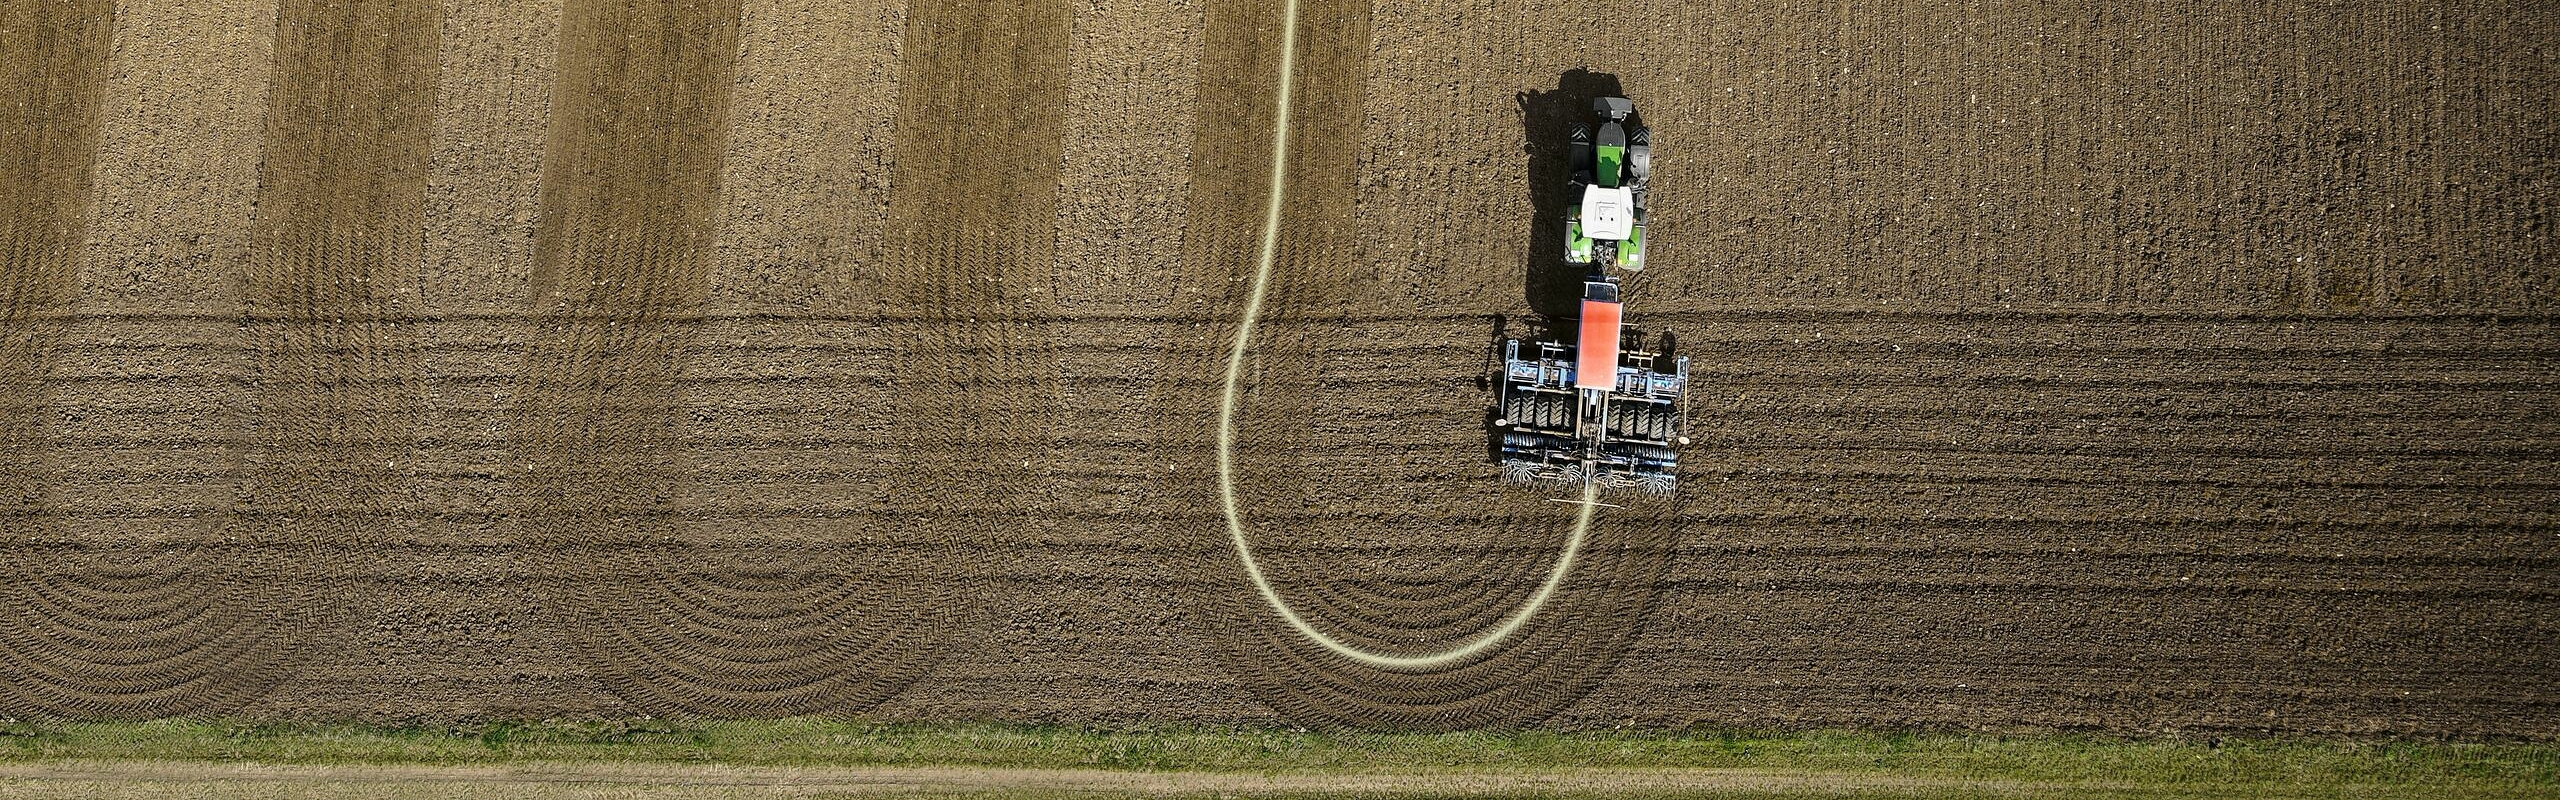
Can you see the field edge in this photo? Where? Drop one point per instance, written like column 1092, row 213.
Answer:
column 2179, row 763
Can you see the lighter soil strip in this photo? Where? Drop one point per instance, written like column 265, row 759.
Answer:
column 1444, row 659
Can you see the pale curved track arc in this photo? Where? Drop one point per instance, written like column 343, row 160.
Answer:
column 1453, row 656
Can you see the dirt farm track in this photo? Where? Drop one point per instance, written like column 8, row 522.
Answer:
column 2056, row 365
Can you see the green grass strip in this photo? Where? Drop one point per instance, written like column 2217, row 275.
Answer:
column 2132, row 766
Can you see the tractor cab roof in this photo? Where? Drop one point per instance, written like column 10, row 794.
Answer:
column 1608, row 212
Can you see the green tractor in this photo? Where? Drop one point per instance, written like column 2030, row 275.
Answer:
column 1588, row 412
column 1604, row 228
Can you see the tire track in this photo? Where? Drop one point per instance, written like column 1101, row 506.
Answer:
column 1423, row 641
column 336, row 253
column 202, row 624
column 49, row 97
column 1466, row 650
column 90, row 630
column 972, row 246
column 671, row 623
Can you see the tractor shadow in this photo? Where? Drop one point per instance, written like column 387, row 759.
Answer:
column 1547, row 118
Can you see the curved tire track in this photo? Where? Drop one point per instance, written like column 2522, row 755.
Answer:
column 671, row 623
column 205, row 623
column 967, row 266
column 330, row 295
column 93, row 629
column 1254, row 298
column 1433, row 647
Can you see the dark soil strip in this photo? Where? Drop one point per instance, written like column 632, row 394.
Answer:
column 630, row 184
column 340, row 205
column 629, row 203
column 973, row 239
column 49, row 97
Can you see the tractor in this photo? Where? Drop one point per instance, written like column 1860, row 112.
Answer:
column 1591, row 412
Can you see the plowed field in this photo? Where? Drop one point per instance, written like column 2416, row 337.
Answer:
column 2190, row 367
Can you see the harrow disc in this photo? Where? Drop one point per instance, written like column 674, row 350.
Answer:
column 1519, row 473
column 1661, row 485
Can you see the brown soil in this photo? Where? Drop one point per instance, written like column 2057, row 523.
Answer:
column 2186, row 368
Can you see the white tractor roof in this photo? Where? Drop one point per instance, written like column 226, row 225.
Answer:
column 1608, row 213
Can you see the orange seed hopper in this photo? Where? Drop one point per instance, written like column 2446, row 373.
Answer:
column 1596, row 362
